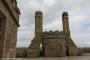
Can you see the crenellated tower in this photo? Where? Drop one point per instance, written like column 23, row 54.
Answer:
column 38, row 27
column 65, row 20
column 38, row 22
column 34, row 49
column 71, row 48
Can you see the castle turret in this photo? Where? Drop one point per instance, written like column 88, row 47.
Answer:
column 38, row 22
column 34, row 49
column 71, row 48
column 65, row 20
column 38, row 27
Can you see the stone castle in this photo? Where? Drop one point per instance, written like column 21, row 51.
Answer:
column 44, row 44
column 52, row 43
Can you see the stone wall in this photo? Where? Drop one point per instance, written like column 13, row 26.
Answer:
column 83, row 50
column 71, row 47
column 21, row 52
column 33, row 50
column 11, row 12
column 54, row 44
column 10, row 39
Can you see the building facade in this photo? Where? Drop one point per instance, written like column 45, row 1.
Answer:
column 52, row 43
column 9, row 23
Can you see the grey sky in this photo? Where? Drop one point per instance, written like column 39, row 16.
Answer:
column 79, row 18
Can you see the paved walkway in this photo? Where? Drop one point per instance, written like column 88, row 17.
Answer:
column 55, row 58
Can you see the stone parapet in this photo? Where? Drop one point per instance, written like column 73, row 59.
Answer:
column 53, row 33
column 54, row 46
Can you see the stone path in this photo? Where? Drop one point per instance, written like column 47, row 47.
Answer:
column 55, row 58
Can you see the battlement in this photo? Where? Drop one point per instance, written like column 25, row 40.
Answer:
column 38, row 13
column 53, row 33
column 64, row 14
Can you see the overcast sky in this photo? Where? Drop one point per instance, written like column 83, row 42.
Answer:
column 79, row 19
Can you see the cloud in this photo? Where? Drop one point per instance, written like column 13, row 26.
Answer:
column 78, row 10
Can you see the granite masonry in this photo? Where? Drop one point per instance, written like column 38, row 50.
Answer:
column 9, row 23
column 51, row 43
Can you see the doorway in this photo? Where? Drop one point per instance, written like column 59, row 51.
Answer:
column 67, row 51
column 42, row 52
